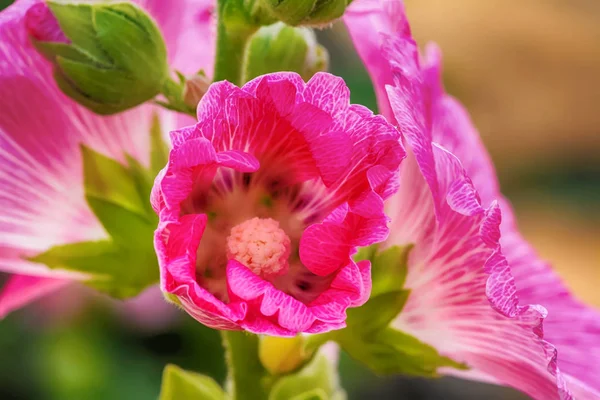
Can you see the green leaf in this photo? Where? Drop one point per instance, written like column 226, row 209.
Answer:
column 119, row 271
column 369, row 337
column 159, row 151
column 178, row 384
column 389, row 269
column 87, row 257
column 318, row 378
column 125, row 264
column 377, row 313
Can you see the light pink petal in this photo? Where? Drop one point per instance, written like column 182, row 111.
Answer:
column 21, row 290
column 457, row 261
column 366, row 21
column 570, row 325
column 456, row 271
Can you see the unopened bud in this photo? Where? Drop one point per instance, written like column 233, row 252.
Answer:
column 306, row 12
column 107, row 56
column 279, row 47
column 194, row 89
column 280, row 355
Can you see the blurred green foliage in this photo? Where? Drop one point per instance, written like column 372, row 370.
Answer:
column 5, row 3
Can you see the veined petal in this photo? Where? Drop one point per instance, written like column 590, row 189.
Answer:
column 571, row 326
column 462, row 298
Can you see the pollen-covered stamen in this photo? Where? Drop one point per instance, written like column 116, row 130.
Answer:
column 261, row 245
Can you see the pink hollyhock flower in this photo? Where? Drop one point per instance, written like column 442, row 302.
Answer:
column 469, row 273
column 42, row 195
column 265, row 200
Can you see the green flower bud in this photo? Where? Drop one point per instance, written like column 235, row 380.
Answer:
column 279, row 47
column 107, row 56
column 281, row 355
column 306, row 12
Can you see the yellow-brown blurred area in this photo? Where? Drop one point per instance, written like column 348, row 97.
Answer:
column 529, row 73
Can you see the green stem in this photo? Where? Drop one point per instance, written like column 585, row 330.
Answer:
column 233, row 34
column 246, row 374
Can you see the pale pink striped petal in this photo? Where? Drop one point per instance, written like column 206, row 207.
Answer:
column 570, row 325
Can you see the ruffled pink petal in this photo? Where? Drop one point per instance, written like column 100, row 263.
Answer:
column 456, row 271
column 21, row 290
column 281, row 314
column 570, row 325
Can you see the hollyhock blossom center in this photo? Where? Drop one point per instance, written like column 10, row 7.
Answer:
column 258, row 219
column 261, row 245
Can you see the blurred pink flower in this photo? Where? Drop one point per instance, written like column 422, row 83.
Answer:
column 42, row 200
column 465, row 298
column 265, row 200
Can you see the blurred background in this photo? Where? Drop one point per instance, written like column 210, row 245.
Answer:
column 529, row 72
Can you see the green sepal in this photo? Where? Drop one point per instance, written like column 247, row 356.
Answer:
column 284, row 48
column 370, row 336
column 76, row 22
column 377, row 313
column 178, row 384
column 109, row 180
column 317, row 378
column 134, row 43
column 389, row 269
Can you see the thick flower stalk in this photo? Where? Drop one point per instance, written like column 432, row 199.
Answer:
column 265, row 200
column 470, row 273
column 41, row 131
